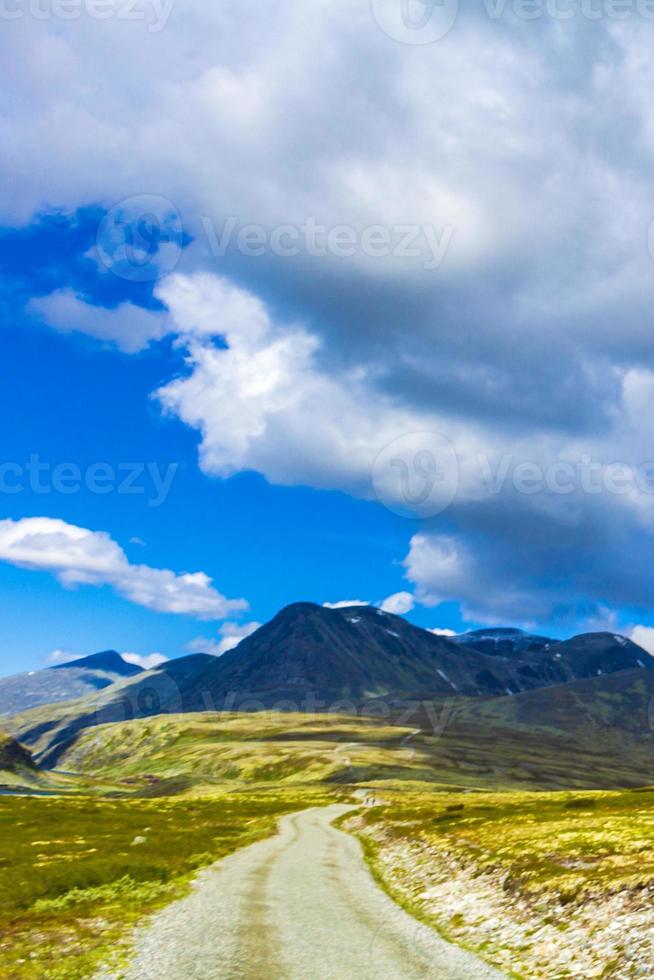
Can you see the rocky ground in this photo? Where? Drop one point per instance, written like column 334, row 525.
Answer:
column 609, row 936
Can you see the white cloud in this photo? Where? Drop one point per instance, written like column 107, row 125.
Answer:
column 345, row 355
column 398, row 604
column 147, row 662
column 62, row 657
column 77, row 556
column 444, row 568
column 231, row 635
column 441, row 569
column 203, row 644
column 266, row 402
column 270, row 402
column 644, row 637
column 129, row 327
column 345, row 603
column 438, row 632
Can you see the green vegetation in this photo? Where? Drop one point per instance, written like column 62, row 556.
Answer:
column 564, row 865
column 207, row 750
column 457, row 815
column 561, row 847
column 210, row 749
column 75, row 874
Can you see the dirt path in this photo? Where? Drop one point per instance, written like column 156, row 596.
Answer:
column 299, row 905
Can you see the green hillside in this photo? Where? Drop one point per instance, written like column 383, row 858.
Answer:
column 474, row 746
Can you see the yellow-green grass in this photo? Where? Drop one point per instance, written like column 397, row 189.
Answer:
column 198, row 786
column 507, row 874
column 76, row 874
column 271, row 746
column 205, row 750
column 170, row 753
column 562, row 846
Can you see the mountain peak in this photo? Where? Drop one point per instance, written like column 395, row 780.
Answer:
column 107, row 660
column 300, row 609
column 499, row 631
column 504, row 641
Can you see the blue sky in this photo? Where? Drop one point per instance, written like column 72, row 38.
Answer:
column 88, row 403
column 375, row 298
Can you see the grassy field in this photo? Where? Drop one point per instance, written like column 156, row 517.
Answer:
column 206, row 750
column 542, row 884
column 546, row 884
column 272, row 747
column 75, row 874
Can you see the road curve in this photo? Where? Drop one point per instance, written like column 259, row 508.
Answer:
column 296, row 906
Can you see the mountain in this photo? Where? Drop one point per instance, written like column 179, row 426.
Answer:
column 542, row 662
column 309, row 658
column 597, row 732
column 593, row 733
column 14, row 757
column 108, row 661
column 595, row 654
column 351, row 655
column 358, row 653
column 503, row 641
column 63, row 682
column 605, row 703
column 587, row 734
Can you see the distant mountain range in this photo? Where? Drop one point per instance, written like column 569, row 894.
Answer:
column 503, row 641
column 309, row 658
column 63, row 682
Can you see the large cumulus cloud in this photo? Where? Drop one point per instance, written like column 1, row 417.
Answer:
column 533, row 141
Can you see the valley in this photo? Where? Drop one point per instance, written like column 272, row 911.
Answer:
column 508, row 825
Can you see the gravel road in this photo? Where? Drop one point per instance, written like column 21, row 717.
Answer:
column 298, row 906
